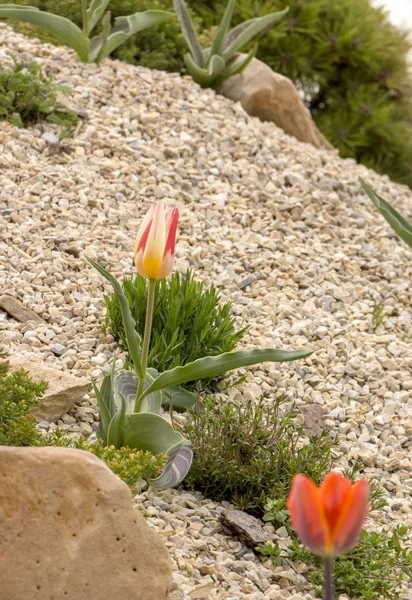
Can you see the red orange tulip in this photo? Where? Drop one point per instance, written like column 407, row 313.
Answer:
column 328, row 519
column 155, row 242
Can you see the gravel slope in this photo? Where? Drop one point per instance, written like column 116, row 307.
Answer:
column 258, row 208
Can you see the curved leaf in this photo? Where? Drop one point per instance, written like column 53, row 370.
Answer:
column 398, row 223
column 240, row 35
column 237, row 67
column 188, row 30
column 124, row 27
column 216, row 66
column 218, row 40
column 147, row 431
column 133, row 339
column 180, row 459
column 95, row 13
column 180, row 398
column 114, row 431
column 63, row 29
column 105, row 416
column 126, row 383
column 199, row 74
column 210, row 366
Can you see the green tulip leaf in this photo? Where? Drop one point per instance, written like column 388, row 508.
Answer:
column 179, row 461
column 63, row 29
column 210, row 366
column 219, row 39
column 180, row 399
column 398, row 223
column 147, row 431
column 188, row 30
column 95, row 13
column 115, row 429
column 134, row 341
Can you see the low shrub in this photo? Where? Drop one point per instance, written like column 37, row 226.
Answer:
column 248, row 454
column 189, row 322
column 27, row 96
column 19, row 394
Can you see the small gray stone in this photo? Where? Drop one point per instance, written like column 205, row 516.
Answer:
column 247, row 528
column 57, row 349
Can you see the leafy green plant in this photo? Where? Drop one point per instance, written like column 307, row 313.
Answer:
column 189, row 322
column 248, row 454
column 374, row 570
column 377, row 316
column 89, row 49
column 18, row 394
column 130, row 402
column 398, row 223
column 28, row 96
column 211, row 66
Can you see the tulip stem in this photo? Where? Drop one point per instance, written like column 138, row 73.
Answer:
column 328, row 582
column 151, row 288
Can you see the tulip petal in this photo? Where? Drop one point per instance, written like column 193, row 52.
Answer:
column 142, row 229
column 334, row 491
column 352, row 517
column 307, row 515
column 168, row 258
column 155, row 246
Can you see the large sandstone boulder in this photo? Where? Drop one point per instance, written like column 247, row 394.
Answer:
column 68, row 529
column 63, row 390
column 273, row 97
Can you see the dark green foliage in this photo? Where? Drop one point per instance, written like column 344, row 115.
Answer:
column 373, row 570
column 18, row 394
column 28, row 96
column 247, row 455
column 130, row 465
column 188, row 323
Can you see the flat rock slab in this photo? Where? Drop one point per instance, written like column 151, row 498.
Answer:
column 68, row 529
column 63, row 391
column 247, row 528
column 314, row 419
column 17, row 310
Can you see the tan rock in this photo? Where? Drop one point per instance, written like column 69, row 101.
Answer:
column 273, row 97
column 314, row 419
column 62, row 392
column 68, row 529
column 17, row 310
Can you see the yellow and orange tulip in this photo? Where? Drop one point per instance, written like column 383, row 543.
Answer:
column 328, row 519
column 155, row 242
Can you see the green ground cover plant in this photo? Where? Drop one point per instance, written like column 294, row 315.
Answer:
column 19, row 394
column 28, row 96
column 189, row 320
column 248, row 454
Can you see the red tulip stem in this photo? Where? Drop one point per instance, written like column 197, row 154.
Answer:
column 151, row 288
column 328, row 582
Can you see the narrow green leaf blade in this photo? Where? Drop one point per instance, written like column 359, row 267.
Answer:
column 188, row 30
column 218, row 41
column 216, row 66
column 180, row 459
column 95, row 13
column 63, row 29
column 147, row 431
column 134, row 341
column 124, row 27
column 398, row 223
column 210, row 366
column 180, row 398
column 240, row 35
column 199, row 74
column 235, row 69
column 105, row 416
column 115, row 429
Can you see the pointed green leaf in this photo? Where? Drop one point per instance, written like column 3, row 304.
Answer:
column 216, row 66
column 180, row 398
column 398, row 223
column 188, row 30
column 105, row 416
column 63, row 29
column 147, row 431
column 115, row 429
column 240, row 35
column 126, row 383
column 95, row 13
column 218, row 41
column 210, row 366
column 134, row 341
column 200, row 75
column 98, row 48
column 124, row 27
column 179, row 461
column 236, row 68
